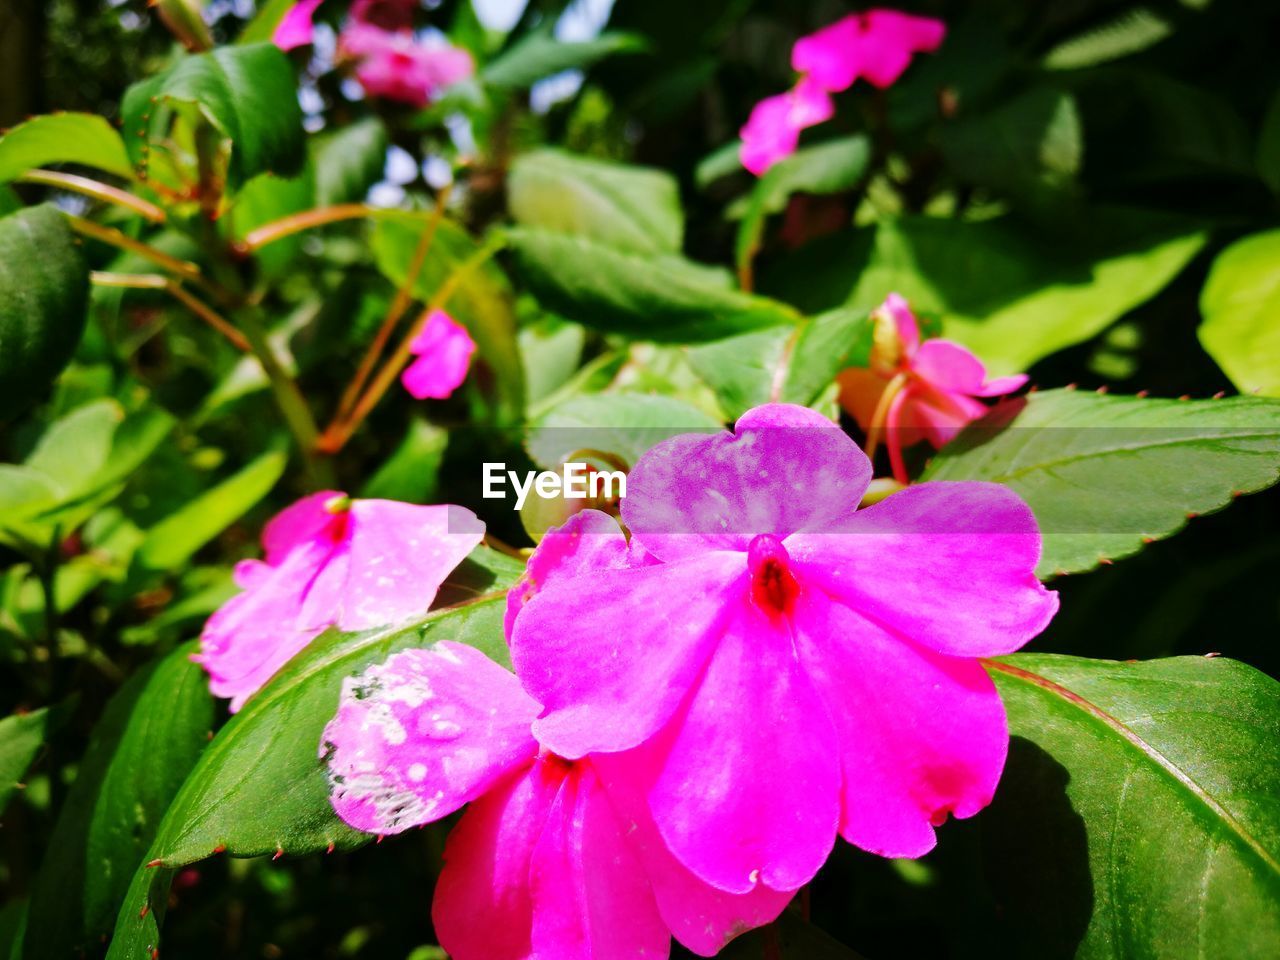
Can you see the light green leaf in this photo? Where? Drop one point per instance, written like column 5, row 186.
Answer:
column 172, row 541
column 21, row 737
column 540, row 55
column 1139, row 812
column 263, row 25
column 412, row 472
column 1011, row 298
column 636, row 209
column 44, row 293
column 246, row 94
column 1241, row 308
column 143, row 747
column 75, row 448
column 63, row 138
column 1127, row 33
column 664, row 298
column 1104, row 474
column 551, row 350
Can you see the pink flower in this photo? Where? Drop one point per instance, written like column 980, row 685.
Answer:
column 876, row 45
column 553, row 858
column 772, row 132
column 394, row 65
column 330, row 561
column 385, row 14
column 296, row 28
column 444, row 350
column 920, row 390
column 789, row 665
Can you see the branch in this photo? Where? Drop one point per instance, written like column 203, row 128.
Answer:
column 97, row 190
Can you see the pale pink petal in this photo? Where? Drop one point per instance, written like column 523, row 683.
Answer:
column 785, row 468
column 905, row 321
column 400, row 554
column 699, row 915
column 610, row 656
column 826, row 54
column 587, row 542
column 1003, row 385
column 320, row 516
column 418, row 736
column 948, row 366
column 444, row 350
column 483, row 907
column 938, row 415
column 360, row 39
column 295, row 28
column 948, row 565
column 445, row 65
column 921, row 735
column 748, row 792
column 591, row 898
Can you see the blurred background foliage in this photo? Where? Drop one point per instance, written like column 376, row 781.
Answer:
column 1030, row 124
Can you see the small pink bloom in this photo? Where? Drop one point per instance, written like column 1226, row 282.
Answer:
column 394, row 65
column 936, row 384
column 444, row 350
column 877, row 45
column 296, row 28
column 790, row 666
column 552, row 858
column 772, row 132
column 330, row 561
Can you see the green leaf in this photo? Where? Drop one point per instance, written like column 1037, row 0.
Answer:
column 246, row 94
column 142, row 749
column 13, row 925
column 1104, row 474
column 664, row 298
column 63, row 138
column 483, row 302
column 1139, row 812
column 540, row 55
column 75, row 448
column 636, row 209
column 830, row 167
column 412, row 472
column 790, row 937
column 21, row 737
column 1241, row 308
column 44, row 293
column 172, row 541
column 1014, row 299
column 622, row 424
column 263, row 25
column 1127, row 33
column 551, row 351
column 349, row 161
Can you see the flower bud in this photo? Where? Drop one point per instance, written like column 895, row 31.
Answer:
column 185, row 20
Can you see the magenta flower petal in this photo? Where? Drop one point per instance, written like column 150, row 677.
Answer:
column 785, row 468
column 592, row 897
column 877, row 46
column 483, row 906
column 444, row 350
column 920, row 734
column 1002, row 385
column 701, row 917
column 418, row 736
column 610, row 656
column 296, row 28
column 948, row 565
column 772, row 131
column 749, row 791
column 318, row 517
column 949, row 366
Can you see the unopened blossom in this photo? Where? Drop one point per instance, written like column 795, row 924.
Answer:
column 876, row 46
column 917, row 390
column 772, row 132
column 330, row 561
column 792, row 665
column 443, row 349
column 297, row 26
column 552, row 858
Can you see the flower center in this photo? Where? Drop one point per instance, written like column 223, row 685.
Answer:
column 773, row 586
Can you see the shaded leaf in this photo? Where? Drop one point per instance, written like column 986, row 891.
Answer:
column 63, row 138
column 21, row 737
column 540, row 55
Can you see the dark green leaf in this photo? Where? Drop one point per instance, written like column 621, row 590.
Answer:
column 648, row 297
column 1127, row 33
column 44, row 293
column 540, row 55
column 1241, row 308
column 1139, row 813
column 21, row 737
column 349, row 161
column 412, row 472
column 1104, row 474
column 789, row 938
column 1268, row 152
column 145, row 744
column 63, row 138
column 246, row 94
column 635, row 209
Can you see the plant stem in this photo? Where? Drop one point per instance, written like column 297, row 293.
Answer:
column 97, row 190
column 183, row 268
column 399, row 305
column 153, row 281
column 306, row 220
column 341, row 429
column 876, row 428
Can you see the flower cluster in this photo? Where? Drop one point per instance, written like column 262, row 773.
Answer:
column 876, row 45
column 703, row 699
column 391, row 61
